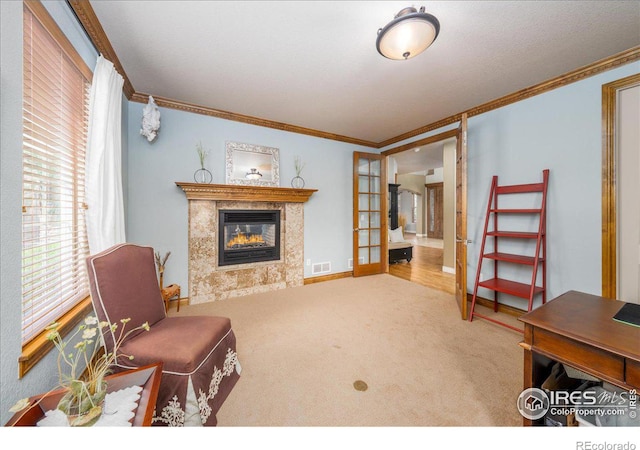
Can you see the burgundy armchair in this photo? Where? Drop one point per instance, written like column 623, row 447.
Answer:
column 199, row 352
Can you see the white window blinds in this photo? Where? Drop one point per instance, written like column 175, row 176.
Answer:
column 55, row 120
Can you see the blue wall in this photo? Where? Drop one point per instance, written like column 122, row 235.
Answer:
column 560, row 130
column 157, row 209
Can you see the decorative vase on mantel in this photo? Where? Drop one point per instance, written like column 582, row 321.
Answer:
column 202, row 175
column 297, row 182
column 83, row 404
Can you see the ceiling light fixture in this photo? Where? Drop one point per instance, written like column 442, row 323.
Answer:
column 409, row 33
column 253, row 174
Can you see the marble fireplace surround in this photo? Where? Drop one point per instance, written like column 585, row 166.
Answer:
column 207, row 281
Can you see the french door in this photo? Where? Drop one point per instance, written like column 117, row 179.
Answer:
column 369, row 214
column 461, row 217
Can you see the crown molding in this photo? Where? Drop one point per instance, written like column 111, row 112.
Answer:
column 87, row 17
column 603, row 65
column 611, row 62
column 199, row 109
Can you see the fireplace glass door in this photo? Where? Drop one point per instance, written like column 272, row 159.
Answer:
column 248, row 236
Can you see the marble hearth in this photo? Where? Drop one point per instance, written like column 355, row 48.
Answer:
column 209, row 282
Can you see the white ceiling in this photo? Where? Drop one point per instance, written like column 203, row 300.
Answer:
column 314, row 63
column 419, row 162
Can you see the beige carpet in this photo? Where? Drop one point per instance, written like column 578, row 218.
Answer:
column 302, row 349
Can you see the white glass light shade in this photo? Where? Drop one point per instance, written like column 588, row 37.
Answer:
column 408, row 35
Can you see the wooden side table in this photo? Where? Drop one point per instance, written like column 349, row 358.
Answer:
column 170, row 292
column 148, row 377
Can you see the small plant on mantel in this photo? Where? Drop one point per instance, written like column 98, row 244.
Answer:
column 299, row 165
column 202, row 175
column 202, row 154
column 297, row 181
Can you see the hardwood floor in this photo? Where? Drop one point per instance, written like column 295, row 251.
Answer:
column 426, row 269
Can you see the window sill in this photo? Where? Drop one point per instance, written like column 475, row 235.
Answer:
column 36, row 349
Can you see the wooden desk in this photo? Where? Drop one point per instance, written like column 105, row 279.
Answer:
column 578, row 329
column 148, row 377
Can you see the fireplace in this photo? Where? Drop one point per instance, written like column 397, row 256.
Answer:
column 248, row 236
column 210, row 282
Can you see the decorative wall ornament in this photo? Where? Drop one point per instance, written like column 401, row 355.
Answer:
column 243, row 159
column 150, row 120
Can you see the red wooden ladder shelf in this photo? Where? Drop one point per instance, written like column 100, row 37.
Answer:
column 537, row 261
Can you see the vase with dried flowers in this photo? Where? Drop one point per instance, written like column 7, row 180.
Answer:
column 85, row 392
column 297, row 181
column 202, row 175
column 161, row 262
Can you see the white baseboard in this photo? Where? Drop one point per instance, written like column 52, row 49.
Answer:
column 421, row 235
column 448, row 269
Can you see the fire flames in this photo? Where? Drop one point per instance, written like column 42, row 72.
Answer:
column 242, row 239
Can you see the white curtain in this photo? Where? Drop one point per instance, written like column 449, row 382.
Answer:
column 103, row 182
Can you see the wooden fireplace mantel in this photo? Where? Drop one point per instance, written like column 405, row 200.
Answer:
column 222, row 192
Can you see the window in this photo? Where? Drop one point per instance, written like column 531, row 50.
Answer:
column 55, row 121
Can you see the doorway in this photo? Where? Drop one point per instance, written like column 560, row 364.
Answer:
column 435, row 211
column 419, row 170
column 410, row 212
column 620, row 189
